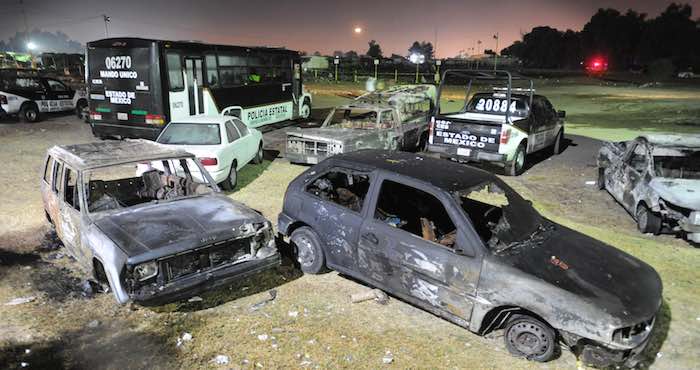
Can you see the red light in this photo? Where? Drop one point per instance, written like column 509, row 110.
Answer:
column 155, row 119
column 208, row 161
column 505, row 136
column 95, row 116
column 596, row 64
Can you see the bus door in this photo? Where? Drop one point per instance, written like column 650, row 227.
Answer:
column 195, row 83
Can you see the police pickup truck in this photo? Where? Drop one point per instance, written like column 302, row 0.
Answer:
column 501, row 126
column 27, row 94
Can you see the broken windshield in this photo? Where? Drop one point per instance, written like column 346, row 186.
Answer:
column 677, row 163
column 359, row 118
column 499, row 215
column 131, row 184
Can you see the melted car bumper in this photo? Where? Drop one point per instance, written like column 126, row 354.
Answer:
column 195, row 283
column 601, row 356
column 305, row 158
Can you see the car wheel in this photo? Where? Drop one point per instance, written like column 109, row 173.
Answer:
column 79, row 108
column 648, row 221
column 308, row 251
column 600, row 181
column 516, row 166
column 232, row 180
column 423, row 143
column 29, row 113
column 259, row 155
column 305, row 110
column 530, row 338
column 556, row 148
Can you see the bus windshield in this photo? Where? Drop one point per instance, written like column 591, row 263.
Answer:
column 191, row 134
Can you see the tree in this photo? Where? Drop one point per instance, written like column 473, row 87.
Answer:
column 374, row 51
column 351, row 54
column 489, row 52
column 423, row 48
column 317, row 53
column 45, row 41
column 338, row 54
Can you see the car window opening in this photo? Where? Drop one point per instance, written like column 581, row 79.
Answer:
column 416, row 212
column 677, row 164
column 345, row 189
column 132, row 184
column 364, row 119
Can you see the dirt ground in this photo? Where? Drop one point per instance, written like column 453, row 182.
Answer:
column 310, row 323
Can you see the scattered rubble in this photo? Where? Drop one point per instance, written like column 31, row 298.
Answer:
column 195, row 299
column 376, row 294
column 221, row 360
column 272, row 295
column 20, row 300
column 388, row 358
column 93, row 324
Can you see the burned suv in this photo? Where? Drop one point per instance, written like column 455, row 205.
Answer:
column 656, row 178
column 460, row 243
column 395, row 118
column 149, row 221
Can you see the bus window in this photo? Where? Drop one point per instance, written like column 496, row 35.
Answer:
column 175, row 72
column 212, row 72
column 232, row 70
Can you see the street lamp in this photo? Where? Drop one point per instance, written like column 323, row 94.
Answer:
column 417, row 59
column 358, row 29
column 31, row 45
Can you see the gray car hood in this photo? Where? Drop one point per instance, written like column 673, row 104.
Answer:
column 161, row 229
column 329, row 134
column 680, row 192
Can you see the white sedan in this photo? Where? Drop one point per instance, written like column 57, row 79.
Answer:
column 223, row 144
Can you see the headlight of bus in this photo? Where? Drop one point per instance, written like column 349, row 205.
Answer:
column 146, row 271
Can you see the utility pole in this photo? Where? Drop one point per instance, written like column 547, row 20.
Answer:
column 27, row 42
column 495, row 52
column 106, row 19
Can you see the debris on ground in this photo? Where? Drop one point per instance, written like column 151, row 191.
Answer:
column 263, row 337
column 55, row 256
column 186, row 337
column 221, row 360
column 590, row 182
column 93, row 324
column 20, row 300
column 272, row 295
column 293, row 313
column 195, row 299
column 388, row 358
column 378, row 295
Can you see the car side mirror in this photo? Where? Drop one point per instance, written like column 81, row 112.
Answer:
column 561, row 114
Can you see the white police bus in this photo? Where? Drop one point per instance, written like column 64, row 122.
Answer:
column 136, row 86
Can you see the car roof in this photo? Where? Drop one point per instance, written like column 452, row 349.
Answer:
column 113, row 152
column 447, row 175
column 670, row 140
column 203, row 119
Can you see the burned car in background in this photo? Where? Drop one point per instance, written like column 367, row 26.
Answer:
column 461, row 244
column 149, row 221
column 656, row 178
column 494, row 117
column 395, row 118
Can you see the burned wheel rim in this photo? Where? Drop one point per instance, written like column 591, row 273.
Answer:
column 305, row 111
column 529, row 339
column 305, row 251
column 642, row 220
column 520, row 160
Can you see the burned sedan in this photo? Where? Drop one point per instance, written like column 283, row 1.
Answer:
column 656, row 178
column 395, row 118
column 149, row 220
column 461, row 244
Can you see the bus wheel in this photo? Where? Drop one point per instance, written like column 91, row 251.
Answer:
column 29, row 113
column 259, row 155
column 230, row 183
column 515, row 167
column 305, row 110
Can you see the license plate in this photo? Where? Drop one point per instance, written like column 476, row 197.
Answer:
column 463, row 151
column 122, row 116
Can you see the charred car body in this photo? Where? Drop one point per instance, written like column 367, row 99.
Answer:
column 458, row 242
column 656, row 178
column 501, row 126
column 395, row 118
column 149, row 221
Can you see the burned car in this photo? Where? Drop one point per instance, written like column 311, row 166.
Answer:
column 656, row 178
column 149, row 220
column 461, row 244
column 395, row 118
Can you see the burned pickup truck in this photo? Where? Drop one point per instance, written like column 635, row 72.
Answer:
column 149, row 220
column 461, row 244
column 395, row 118
column 656, row 178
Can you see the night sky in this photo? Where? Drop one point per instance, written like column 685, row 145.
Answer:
column 311, row 25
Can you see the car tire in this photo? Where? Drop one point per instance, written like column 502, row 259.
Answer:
column 557, row 147
column 423, row 143
column 232, row 179
column 530, row 338
column 259, row 154
column 29, row 113
column 517, row 165
column 647, row 221
column 305, row 110
column 308, row 251
column 600, row 181
column 79, row 107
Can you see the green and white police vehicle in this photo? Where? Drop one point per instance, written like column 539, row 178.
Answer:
column 482, row 117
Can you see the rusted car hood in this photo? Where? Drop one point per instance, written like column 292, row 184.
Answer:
column 161, row 229
column 331, row 134
column 604, row 276
column 680, row 192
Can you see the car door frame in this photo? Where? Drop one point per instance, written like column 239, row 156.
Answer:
column 59, row 97
column 230, row 146
column 250, row 148
column 72, row 218
column 632, row 178
column 466, row 237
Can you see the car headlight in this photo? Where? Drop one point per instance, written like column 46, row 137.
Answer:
column 145, row 271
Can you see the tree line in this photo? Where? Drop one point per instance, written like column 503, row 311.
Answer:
column 629, row 40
